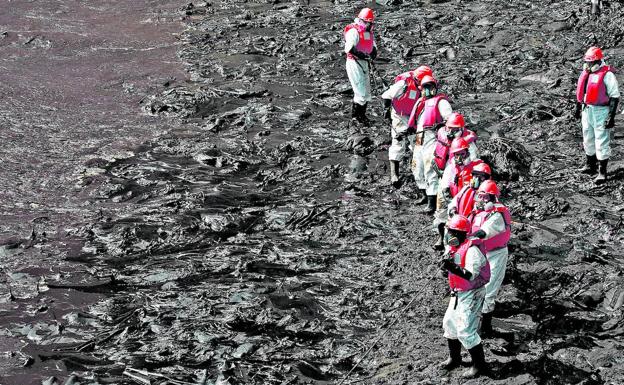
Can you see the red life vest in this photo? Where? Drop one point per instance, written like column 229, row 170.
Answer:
column 461, row 177
column 429, row 108
column 458, row 283
column 404, row 104
column 499, row 240
column 365, row 42
column 591, row 89
column 440, row 154
column 464, row 200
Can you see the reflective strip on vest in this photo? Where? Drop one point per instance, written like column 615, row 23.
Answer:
column 458, row 283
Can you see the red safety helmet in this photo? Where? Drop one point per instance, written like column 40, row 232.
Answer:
column 458, row 145
column 366, row 14
column 428, row 79
column 593, row 54
column 489, row 187
column 459, row 223
column 422, row 71
column 482, row 168
column 456, row 120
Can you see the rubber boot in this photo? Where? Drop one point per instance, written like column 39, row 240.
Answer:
column 354, row 110
column 595, row 8
column 362, row 115
column 439, row 245
column 454, row 360
column 431, row 205
column 602, row 172
column 479, row 366
column 591, row 165
column 486, row 325
column 423, row 197
column 394, row 173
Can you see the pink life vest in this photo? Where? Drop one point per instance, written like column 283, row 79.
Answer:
column 441, row 152
column 404, row 104
column 461, row 178
column 458, row 283
column 591, row 88
column 464, row 200
column 428, row 107
column 365, row 42
column 499, row 240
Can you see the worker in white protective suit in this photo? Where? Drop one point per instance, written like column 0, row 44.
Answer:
column 597, row 99
column 429, row 113
column 360, row 47
column 491, row 223
column 468, row 272
column 399, row 100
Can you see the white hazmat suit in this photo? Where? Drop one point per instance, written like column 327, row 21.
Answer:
column 461, row 320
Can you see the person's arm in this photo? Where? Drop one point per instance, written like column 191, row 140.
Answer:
column 611, row 84
column 474, row 153
column 395, row 90
column 475, row 260
column 352, row 38
column 613, row 91
column 493, row 226
column 445, row 109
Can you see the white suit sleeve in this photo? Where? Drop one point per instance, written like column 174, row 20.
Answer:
column 494, row 225
column 475, row 260
column 445, row 181
column 352, row 38
column 395, row 90
column 445, row 109
column 611, row 84
column 474, row 153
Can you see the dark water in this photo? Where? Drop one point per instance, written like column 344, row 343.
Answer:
column 229, row 227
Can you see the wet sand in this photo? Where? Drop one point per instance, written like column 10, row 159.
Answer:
column 72, row 76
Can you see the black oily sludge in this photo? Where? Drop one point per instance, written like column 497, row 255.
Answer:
column 259, row 242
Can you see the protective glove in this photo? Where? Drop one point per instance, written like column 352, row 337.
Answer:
column 479, row 234
column 434, row 167
column 452, row 212
column 446, row 194
column 373, row 54
column 387, row 109
column 358, row 54
column 454, row 268
column 613, row 104
column 577, row 111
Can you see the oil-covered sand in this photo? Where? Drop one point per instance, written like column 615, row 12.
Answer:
column 183, row 200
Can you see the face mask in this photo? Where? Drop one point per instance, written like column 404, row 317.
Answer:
column 429, row 92
column 453, row 133
column 454, row 239
column 369, row 27
column 591, row 67
column 461, row 159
